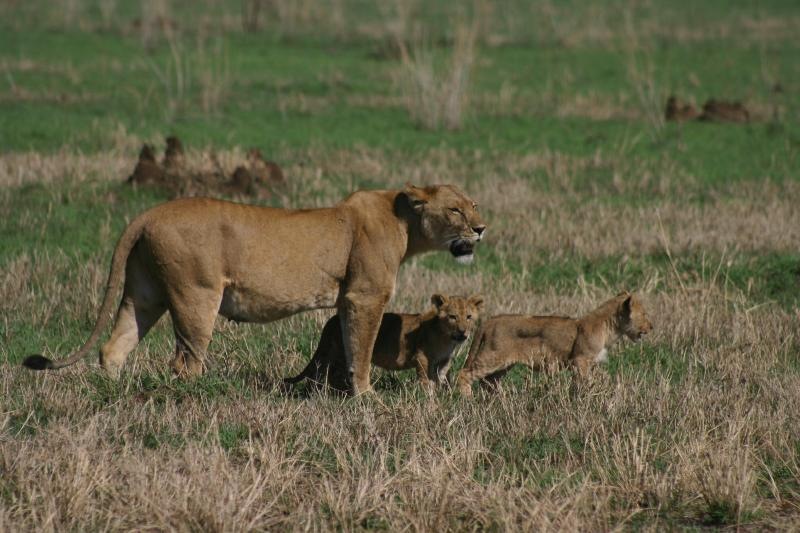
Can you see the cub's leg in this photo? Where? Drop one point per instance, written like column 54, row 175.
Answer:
column 483, row 364
column 582, row 365
column 193, row 315
column 441, row 371
column 492, row 381
column 426, row 371
column 481, row 370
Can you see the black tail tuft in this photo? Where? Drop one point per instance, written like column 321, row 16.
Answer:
column 37, row 362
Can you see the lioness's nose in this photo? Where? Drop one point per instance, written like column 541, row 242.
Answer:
column 479, row 229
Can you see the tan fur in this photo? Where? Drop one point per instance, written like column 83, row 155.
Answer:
column 425, row 342
column 545, row 342
column 200, row 257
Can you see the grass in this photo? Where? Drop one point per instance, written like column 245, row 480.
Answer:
column 585, row 194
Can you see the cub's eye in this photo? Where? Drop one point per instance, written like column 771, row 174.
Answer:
column 469, row 317
column 452, row 317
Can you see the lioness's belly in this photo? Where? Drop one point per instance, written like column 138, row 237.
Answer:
column 245, row 305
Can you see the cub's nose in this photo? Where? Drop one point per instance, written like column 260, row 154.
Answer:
column 460, row 336
column 479, row 230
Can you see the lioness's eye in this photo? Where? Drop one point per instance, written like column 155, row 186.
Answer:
column 452, row 317
column 455, row 210
column 469, row 317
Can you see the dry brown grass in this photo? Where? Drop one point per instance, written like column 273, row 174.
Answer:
column 698, row 424
column 608, row 453
column 436, row 95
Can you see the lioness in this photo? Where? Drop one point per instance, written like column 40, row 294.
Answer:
column 199, row 257
column 543, row 342
column 426, row 342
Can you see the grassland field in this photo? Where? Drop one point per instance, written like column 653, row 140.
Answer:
column 586, row 190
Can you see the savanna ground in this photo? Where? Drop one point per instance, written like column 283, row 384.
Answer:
column 549, row 114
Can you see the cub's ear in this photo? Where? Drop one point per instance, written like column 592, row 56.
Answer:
column 477, row 301
column 438, row 300
column 626, row 303
column 417, row 197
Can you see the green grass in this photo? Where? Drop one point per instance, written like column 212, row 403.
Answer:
column 122, row 84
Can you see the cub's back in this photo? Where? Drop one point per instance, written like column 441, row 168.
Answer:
column 556, row 332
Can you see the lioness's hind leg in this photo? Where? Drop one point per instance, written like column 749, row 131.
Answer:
column 193, row 321
column 133, row 322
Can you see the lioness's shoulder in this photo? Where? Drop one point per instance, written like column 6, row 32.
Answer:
column 371, row 200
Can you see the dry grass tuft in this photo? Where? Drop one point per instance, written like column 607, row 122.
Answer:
column 641, row 75
column 436, row 97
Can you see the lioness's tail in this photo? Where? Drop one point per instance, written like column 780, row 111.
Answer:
column 115, row 278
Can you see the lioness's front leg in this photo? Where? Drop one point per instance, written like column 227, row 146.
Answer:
column 360, row 316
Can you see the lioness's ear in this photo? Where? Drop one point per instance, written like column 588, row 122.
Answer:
column 477, row 301
column 417, row 197
column 438, row 300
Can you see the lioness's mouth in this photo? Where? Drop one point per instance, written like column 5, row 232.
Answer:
column 462, row 250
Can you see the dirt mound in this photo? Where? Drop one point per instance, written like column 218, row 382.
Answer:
column 147, row 170
column 713, row 111
column 173, row 155
column 256, row 178
column 722, row 111
column 679, row 111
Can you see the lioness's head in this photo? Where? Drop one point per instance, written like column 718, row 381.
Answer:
column 449, row 219
column 633, row 321
column 456, row 316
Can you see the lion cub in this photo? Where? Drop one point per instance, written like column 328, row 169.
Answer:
column 543, row 342
column 426, row 342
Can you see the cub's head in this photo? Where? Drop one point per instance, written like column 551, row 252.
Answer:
column 456, row 316
column 633, row 321
column 449, row 219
